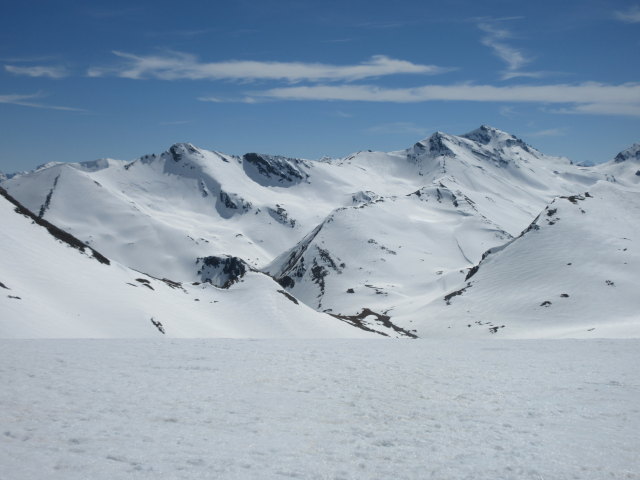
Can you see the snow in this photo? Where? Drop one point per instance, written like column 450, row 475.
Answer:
column 399, row 255
column 50, row 290
column 624, row 168
column 159, row 213
column 376, row 239
column 317, row 409
column 574, row 273
column 155, row 378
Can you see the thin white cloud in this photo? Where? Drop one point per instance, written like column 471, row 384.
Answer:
column 559, row 93
column 180, row 66
column 596, row 98
column 622, row 109
column 215, row 100
column 38, row 71
column 508, row 75
column 631, row 15
column 27, row 101
column 514, row 58
column 242, row 99
column 507, row 111
column 550, row 132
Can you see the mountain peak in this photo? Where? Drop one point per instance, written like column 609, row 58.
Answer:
column 487, row 135
column 179, row 150
column 435, row 145
column 631, row 153
column 95, row 165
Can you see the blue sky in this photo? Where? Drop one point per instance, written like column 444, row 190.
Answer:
column 85, row 80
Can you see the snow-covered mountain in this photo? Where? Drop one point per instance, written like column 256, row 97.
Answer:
column 52, row 285
column 160, row 213
column 572, row 273
column 624, row 168
column 375, row 239
column 376, row 254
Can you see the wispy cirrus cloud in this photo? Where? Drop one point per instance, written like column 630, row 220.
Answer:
column 622, row 109
column 184, row 66
column 28, row 101
column 549, row 132
column 496, row 39
column 631, row 15
column 240, row 99
column 50, row 71
column 586, row 98
column 507, row 111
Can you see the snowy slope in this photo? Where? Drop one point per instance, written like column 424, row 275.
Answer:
column 624, row 168
column 573, row 273
column 160, row 213
column 383, row 252
column 51, row 285
column 508, row 180
column 375, row 239
column 378, row 254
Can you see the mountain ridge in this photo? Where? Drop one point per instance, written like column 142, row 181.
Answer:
column 371, row 232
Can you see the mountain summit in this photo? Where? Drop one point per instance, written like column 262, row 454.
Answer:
column 486, row 135
column 631, row 153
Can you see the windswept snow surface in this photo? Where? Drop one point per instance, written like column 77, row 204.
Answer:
column 340, row 409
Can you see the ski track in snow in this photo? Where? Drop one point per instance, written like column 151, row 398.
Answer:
column 313, row 409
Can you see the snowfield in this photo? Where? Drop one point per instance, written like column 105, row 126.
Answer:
column 318, row 409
